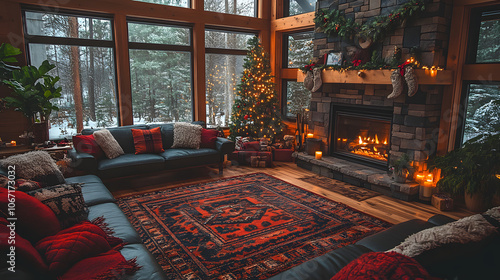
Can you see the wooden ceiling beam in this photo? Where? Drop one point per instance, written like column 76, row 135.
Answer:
column 298, row 22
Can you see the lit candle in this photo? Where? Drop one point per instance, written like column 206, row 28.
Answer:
column 13, row 143
column 310, row 135
column 319, row 154
column 420, row 178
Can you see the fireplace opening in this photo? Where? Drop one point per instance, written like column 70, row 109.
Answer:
column 362, row 134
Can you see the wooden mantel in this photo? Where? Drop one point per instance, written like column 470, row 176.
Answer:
column 380, row 77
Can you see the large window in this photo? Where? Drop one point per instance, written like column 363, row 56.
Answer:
column 225, row 53
column 296, row 99
column 235, row 7
column 481, row 114
column 295, row 7
column 81, row 47
column 299, row 49
column 160, row 70
column 484, row 38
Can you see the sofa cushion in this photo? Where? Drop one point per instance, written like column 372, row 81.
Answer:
column 116, row 220
column 38, row 166
column 179, row 158
column 393, row 236
column 208, row 138
column 122, row 134
column 34, row 219
column 87, row 144
column 108, row 143
column 66, row 200
column 129, row 164
column 72, row 245
column 94, row 191
column 325, row 266
column 167, row 134
column 147, row 141
column 382, row 265
column 150, row 270
column 187, row 135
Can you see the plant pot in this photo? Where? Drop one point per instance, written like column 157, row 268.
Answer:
column 476, row 202
column 399, row 178
column 41, row 132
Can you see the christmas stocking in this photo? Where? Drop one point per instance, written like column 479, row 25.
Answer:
column 309, row 80
column 411, row 81
column 397, row 84
column 317, row 79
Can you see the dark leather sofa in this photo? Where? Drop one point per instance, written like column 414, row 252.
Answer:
column 101, row 203
column 132, row 164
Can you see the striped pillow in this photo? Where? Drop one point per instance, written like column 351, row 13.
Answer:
column 147, row 141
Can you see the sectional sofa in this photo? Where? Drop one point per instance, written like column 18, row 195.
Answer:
column 132, row 164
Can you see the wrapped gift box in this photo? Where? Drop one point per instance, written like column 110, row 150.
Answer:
column 245, row 157
column 442, row 202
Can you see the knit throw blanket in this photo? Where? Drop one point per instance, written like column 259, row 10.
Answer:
column 470, row 229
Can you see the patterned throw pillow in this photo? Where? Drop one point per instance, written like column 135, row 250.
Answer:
column 87, row 144
column 37, row 166
column 147, row 141
column 66, row 200
column 108, row 143
column 187, row 135
column 27, row 185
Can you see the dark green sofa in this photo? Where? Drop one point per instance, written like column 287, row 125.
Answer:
column 132, row 164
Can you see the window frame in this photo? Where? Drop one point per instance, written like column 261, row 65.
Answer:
column 166, row 47
column 284, row 99
column 255, row 12
column 286, row 9
column 48, row 40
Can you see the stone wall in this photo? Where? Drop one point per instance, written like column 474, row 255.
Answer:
column 416, row 119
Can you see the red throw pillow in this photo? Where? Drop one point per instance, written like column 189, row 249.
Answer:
column 208, row 138
column 87, row 144
column 109, row 265
column 381, row 265
column 27, row 185
column 72, row 245
column 147, row 141
column 25, row 254
column 35, row 220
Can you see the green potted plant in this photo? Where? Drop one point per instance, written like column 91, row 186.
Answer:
column 472, row 170
column 32, row 91
column 8, row 55
column 401, row 168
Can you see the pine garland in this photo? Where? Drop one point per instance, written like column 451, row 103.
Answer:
column 334, row 23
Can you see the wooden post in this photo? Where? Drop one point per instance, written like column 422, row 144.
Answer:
column 123, row 70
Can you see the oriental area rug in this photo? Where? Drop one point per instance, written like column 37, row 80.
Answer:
column 247, row 227
column 356, row 193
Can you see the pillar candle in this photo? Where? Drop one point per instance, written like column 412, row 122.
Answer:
column 319, row 155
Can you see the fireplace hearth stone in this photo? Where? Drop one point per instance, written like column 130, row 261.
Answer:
column 358, row 175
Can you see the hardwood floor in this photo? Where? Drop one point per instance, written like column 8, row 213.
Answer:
column 386, row 208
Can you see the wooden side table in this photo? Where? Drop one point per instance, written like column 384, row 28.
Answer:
column 10, row 151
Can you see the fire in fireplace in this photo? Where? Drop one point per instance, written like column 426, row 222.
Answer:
column 362, row 134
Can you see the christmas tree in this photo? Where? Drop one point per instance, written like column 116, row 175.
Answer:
column 255, row 111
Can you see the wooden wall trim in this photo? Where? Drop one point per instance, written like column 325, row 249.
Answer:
column 481, row 72
column 199, row 72
column 293, row 23
column 123, row 70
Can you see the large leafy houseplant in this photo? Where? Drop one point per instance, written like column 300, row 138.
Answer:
column 472, row 169
column 32, row 90
column 401, row 168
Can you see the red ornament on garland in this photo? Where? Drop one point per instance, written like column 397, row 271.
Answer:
column 246, row 117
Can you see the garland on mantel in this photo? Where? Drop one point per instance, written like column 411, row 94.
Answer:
column 334, row 23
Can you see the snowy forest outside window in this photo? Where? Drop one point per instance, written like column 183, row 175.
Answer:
column 482, row 110
column 160, row 72
column 235, row 7
column 224, row 58
column 81, row 47
column 299, row 49
column 296, row 7
column 178, row 3
column 296, row 99
column 484, row 38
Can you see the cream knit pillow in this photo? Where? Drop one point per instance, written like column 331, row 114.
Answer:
column 187, row 135
column 108, row 143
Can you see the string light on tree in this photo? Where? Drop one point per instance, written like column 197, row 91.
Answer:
column 254, row 112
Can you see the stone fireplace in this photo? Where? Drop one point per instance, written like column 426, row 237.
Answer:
column 359, row 126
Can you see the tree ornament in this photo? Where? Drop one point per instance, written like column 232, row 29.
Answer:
column 246, row 117
column 397, row 84
column 411, row 80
